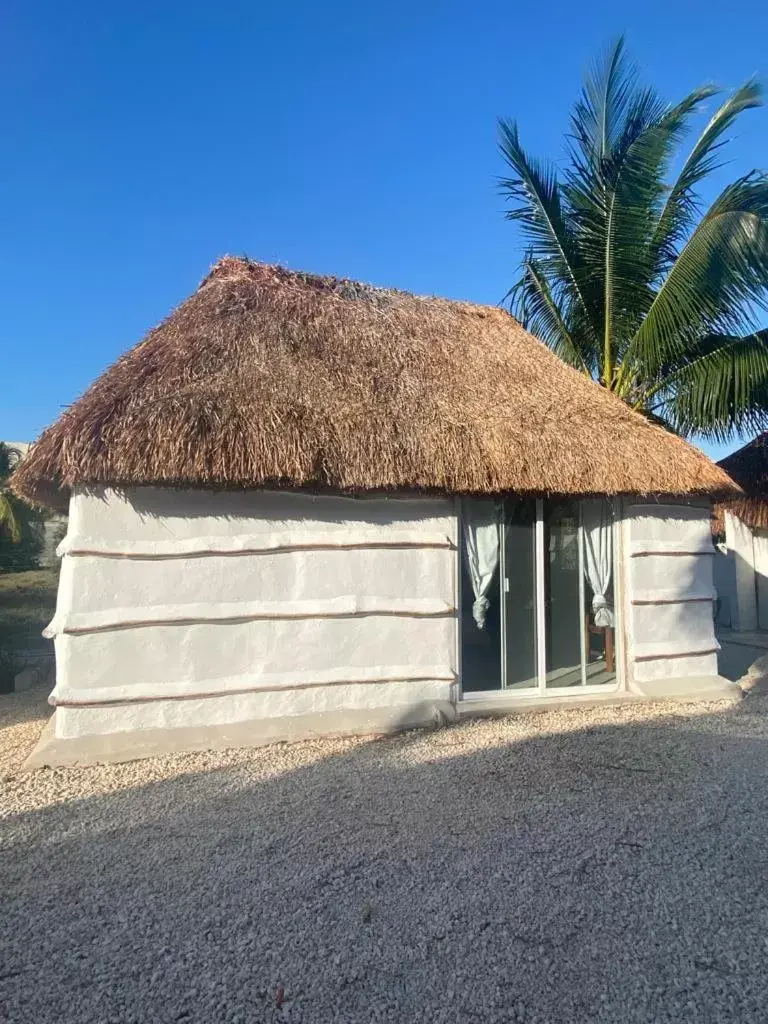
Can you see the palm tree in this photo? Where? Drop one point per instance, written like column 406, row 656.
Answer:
column 10, row 520
column 627, row 276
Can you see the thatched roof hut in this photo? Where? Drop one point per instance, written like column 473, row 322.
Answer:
column 266, row 377
column 280, row 525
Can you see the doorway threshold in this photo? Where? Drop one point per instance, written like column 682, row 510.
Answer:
column 496, row 703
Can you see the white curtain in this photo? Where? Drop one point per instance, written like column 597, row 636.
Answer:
column 481, row 549
column 598, row 558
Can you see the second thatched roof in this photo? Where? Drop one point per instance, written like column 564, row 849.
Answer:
column 749, row 468
column 270, row 378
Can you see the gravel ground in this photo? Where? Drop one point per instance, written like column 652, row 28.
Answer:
column 604, row 865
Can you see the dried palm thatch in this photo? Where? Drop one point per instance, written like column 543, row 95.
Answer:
column 270, row 378
column 749, row 468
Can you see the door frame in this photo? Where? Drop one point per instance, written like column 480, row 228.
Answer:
column 541, row 690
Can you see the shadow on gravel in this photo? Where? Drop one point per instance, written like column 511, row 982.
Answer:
column 617, row 874
column 735, row 659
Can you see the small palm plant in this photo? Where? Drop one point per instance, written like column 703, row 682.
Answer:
column 10, row 518
column 627, row 275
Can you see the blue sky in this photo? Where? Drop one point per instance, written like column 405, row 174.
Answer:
column 144, row 140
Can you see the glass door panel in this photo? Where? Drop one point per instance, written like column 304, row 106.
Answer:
column 520, row 594
column 480, row 596
column 597, row 518
column 563, row 592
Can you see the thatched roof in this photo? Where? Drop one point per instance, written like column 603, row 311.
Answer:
column 270, row 378
column 749, row 468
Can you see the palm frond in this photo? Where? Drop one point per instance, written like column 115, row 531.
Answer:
column 600, row 113
column 538, row 309
column 615, row 204
column 681, row 207
column 10, row 507
column 714, row 286
column 9, row 521
column 535, row 194
column 720, row 388
column 10, row 457
column 615, row 201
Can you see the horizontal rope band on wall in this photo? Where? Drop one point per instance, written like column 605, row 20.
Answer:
column 671, row 595
column 669, row 649
column 349, row 606
column 140, row 693
column 254, row 544
column 642, row 548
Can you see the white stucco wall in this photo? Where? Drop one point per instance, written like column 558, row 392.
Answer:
column 670, row 590
column 760, row 552
column 747, row 562
column 741, row 555
column 725, row 585
column 186, row 608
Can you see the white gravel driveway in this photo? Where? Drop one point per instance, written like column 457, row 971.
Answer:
column 604, row 865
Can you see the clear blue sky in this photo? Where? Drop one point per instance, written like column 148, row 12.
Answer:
column 141, row 141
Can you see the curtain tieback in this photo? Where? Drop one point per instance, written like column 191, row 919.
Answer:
column 603, row 610
column 479, row 611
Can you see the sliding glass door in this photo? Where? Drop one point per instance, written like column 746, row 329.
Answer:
column 538, row 610
column 518, row 571
column 481, row 605
column 598, row 546
column 562, row 582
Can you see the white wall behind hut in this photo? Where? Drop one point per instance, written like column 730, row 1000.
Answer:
column 187, row 606
column 747, row 554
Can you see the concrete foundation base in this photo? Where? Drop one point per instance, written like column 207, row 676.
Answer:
column 54, row 751
column 692, row 688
